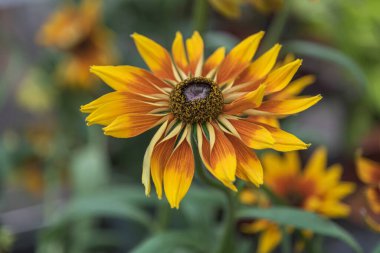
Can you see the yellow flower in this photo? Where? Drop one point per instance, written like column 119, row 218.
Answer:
column 369, row 173
column 218, row 102
column 314, row 189
column 231, row 8
column 77, row 31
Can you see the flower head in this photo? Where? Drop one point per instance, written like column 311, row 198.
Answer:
column 314, row 189
column 217, row 107
column 78, row 31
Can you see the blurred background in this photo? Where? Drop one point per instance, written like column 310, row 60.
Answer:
column 65, row 187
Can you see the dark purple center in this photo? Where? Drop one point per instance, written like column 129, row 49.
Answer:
column 196, row 91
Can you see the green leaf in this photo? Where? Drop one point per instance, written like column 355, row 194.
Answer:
column 171, row 242
column 328, row 54
column 301, row 220
column 376, row 249
column 91, row 207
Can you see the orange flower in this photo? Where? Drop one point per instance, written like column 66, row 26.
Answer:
column 369, row 173
column 77, row 30
column 216, row 107
column 315, row 189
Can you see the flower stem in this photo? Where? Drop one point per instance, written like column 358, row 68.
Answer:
column 200, row 15
column 227, row 239
column 276, row 27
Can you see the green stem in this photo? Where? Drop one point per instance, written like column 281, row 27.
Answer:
column 162, row 217
column 200, row 15
column 276, row 27
column 285, row 242
column 227, row 240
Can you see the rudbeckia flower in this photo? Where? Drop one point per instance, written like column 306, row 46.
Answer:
column 315, row 189
column 369, row 173
column 214, row 107
column 79, row 33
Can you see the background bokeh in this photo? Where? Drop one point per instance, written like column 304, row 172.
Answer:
column 65, row 187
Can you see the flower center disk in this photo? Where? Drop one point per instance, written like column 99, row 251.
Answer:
column 196, row 100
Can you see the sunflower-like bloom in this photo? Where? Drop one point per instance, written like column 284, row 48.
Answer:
column 79, row 32
column 314, row 189
column 214, row 107
column 369, row 173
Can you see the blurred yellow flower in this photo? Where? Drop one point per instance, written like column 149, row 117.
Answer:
column 369, row 173
column 220, row 102
column 231, row 8
column 314, row 189
column 78, row 31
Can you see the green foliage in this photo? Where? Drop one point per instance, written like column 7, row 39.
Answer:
column 301, row 220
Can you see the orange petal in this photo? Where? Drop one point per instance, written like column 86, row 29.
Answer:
column 223, row 155
column 204, row 152
column 160, row 157
column 280, row 78
column 284, row 141
column 287, row 107
column 131, row 125
column 179, row 171
column 107, row 113
column 195, row 47
column 250, row 100
column 248, row 165
column 155, row 56
column 373, row 196
column 260, row 67
column 294, row 88
column 238, row 59
column 129, row 78
column 253, row 135
column 368, row 170
column 213, row 61
column 145, row 178
column 179, row 53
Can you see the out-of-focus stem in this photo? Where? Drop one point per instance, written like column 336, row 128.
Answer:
column 200, row 15
column 276, row 27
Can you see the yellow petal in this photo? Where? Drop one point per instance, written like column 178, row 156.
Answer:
column 250, row 100
column 368, row 170
column 179, row 53
column 293, row 162
column 248, row 165
column 223, row 157
column 287, row 107
column 228, row 8
column 131, row 125
column 253, row 135
column 155, row 56
column 179, row 171
column 342, row 190
column 280, row 78
column 145, row 178
column 284, row 141
column 269, row 239
column 238, row 59
column 316, row 165
column 260, row 67
column 195, row 47
column 294, row 88
column 130, row 79
column 107, row 98
column 105, row 114
column 213, row 61
column 160, row 157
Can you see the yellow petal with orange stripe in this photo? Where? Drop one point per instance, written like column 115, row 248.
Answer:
column 179, row 171
column 155, row 56
column 238, row 59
